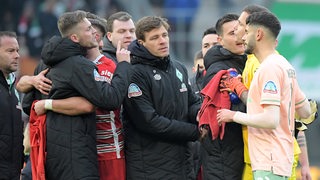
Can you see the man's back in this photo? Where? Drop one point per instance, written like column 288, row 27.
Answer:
column 71, row 140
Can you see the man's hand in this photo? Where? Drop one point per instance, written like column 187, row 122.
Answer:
column 233, row 84
column 39, row 107
column 225, row 115
column 302, row 122
column 122, row 54
column 41, row 83
column 305, row 173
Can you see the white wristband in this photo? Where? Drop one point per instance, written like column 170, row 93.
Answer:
column 48, row 104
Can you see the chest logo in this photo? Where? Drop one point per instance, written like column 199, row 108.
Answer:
column 183, row 88
column 157, row 77
column 179, row 75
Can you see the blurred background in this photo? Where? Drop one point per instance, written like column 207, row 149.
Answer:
column 35, row 21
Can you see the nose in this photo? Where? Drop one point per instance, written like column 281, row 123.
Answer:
column 128, row 34
column 162, row 39
column 94, row 31
column 244, row 37
column 16, row 55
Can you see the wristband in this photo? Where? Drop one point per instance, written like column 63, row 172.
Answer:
column 48, row 104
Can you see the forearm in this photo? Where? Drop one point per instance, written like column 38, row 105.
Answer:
column 269, row 118
column 244, row 97
column 25, row 84
column 72, row 106
column 303, row 158
column 305, row 110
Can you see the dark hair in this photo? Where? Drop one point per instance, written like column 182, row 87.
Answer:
column 120, row 16
column 225, row 19
column 98, row 22
column 7, row 34
column 267, row 20
column 210, row 30
column 148, row 23
column 253, row 8
column 69, row 20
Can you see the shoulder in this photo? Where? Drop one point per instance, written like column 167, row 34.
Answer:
column 178, row 65
column 77, row 62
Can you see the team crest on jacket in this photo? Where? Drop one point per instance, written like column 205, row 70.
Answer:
column 183, row 87
column 157, row 77
column 270, row 87
column 134, row 90
column 179, row 75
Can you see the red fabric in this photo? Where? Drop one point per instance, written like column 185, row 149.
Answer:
column 112, row 169
column 213, row 101
column 38, row 144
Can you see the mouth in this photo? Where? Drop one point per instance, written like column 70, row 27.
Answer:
column 15, row 64
column 127, row 42
column 240, row 45
column 164, row 49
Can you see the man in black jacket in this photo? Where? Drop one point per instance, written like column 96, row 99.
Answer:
column 11, row 125
column 223, row 158
column 160, row 109
column 120, row 27
column 71, row 140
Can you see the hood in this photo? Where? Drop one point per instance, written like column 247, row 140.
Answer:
column 58, row 49
column 218, row 53
column 140, row 55
column 108, row 47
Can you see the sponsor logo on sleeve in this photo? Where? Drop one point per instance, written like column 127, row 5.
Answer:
column 134, row 90
column 270, row 87
column 97, row 76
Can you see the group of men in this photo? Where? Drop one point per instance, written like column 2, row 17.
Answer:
column 223, row 158
column 120, row 108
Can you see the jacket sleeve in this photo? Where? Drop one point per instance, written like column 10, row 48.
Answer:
column 194, row 101
column 194, row 104
column 144, row 117
column 87, row 81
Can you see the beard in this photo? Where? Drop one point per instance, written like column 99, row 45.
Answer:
column 249, row 49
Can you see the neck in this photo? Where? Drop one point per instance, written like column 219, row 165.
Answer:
column 93, row 53
column 264, row 50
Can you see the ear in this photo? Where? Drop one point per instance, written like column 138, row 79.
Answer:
column 260, row 34
column 74, row 38
column 219, row 39
column 109, row 34
column 140, row 42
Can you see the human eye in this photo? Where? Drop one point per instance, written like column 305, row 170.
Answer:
column 121, row 31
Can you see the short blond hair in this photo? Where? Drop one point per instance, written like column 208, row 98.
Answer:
column 69, row 20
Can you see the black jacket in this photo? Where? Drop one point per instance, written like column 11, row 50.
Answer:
column 196, row 83
column 71, row 140
column 109, row 50
column 11, row 132
column 159, row 118
column 223, row 159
